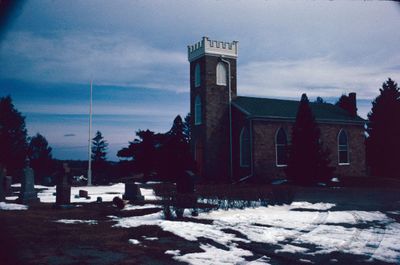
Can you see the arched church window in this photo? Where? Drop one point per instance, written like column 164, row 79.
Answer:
column 197, row 111
column 281, row 147
column 244, row 147
column 221, row 74
column 343, row 148
column 197, row 78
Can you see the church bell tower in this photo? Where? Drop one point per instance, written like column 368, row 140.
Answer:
column 212, row 87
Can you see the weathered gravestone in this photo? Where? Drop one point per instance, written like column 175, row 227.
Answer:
column 27, row 192
column 2, row 175
column 117, row 201
column 63, row 189
column 132, row 192
column 185, row 197
column 84, row 194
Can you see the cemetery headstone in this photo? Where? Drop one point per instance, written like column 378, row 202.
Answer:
column 2, row 175
column 63, row 189
column 99, row 199
column 83, row 194
column 132, row 192
column 27, row 192
column 185, row 197
column 117, row 201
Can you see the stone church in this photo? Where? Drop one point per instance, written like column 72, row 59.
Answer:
column 235, row 137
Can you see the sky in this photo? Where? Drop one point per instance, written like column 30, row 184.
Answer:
column 136, row 54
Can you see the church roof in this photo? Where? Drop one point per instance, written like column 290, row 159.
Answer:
column 287, row 109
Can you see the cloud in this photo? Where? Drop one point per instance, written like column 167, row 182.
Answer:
column 69, row 135
column 76, row 57
column 321, row 76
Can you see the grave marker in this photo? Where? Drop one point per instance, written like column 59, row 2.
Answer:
column 63, row 189
column 132, row 192
column 27, row 192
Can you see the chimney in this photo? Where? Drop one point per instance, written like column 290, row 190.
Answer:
column 353, row 104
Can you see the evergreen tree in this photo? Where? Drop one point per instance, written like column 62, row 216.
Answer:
column 99, row 153
column 319, row 100
column 13, row 137
column 41, row 161
column 383, row 143
column 99, row 148
column 187, row 127
column 308, row 163
column 142, row 151
column 176, row 152
column 345, row 103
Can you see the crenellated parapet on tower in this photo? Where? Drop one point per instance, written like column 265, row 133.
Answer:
column 212, row 47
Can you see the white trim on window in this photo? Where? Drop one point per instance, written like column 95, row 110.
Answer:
column 343, row 148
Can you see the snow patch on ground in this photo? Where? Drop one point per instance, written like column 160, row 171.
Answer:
column 213, row 255
column 12, row 206
column 150, row 238
column 173, row 252
column 291, row 249
column 134, row 241
column 130, row 207
column 329, row 231
column 76, row 221
column 11, row 198
column 389, row 247
column 313, row 206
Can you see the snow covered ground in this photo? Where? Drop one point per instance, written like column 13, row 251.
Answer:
column 289, row 228
column 313, row 232
column 12, row 206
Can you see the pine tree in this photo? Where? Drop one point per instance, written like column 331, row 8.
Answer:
column 383, row 143
column 176, row 151
column 99, row 158
column 319, row 100
column 187, row 127
column 39, row 153
column 308, row 163
column 142, row 151
column 345, row 103
column 99, row 148
column 13, row 137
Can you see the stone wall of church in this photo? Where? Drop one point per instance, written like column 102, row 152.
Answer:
column 264, row 152
column 356, row 145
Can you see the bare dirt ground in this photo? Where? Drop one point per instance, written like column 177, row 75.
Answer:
column 33, row 236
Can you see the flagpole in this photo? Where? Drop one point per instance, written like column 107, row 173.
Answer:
column 89, row 172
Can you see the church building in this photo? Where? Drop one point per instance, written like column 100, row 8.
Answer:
column 236, row 137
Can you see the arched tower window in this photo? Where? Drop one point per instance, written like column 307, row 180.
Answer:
column 221, row 74
column 197, row 111
column 197, row 78
column 244, row 147
column 343, row 148
column 281, row 147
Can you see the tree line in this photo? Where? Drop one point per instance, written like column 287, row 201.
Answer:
column 167, row 155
